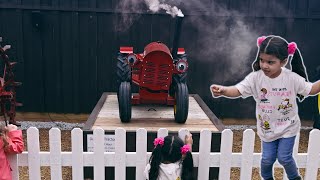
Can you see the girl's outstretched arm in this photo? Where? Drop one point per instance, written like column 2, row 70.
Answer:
column 315, row 88
column 228, row 91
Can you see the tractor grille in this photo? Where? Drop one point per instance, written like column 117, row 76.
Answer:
column 156, row 76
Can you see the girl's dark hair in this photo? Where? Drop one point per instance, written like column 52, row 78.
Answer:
column 3, row 136
column 277, row 46
column 170, row 152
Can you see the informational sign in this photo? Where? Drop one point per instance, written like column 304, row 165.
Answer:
column 109, row 143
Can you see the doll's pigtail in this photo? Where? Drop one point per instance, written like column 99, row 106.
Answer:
column 156, row 158
column 187, row 167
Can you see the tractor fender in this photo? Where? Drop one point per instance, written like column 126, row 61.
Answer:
column 126, row 50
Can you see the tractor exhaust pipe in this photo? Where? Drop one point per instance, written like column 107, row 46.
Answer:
column 176, row 37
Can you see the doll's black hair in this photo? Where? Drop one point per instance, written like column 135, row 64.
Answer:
column 170, row 152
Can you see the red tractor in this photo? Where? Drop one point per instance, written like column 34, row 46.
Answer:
column 160, row 75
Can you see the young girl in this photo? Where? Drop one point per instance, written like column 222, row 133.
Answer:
column 278, row 121
column 11, row 142
column 171, row 159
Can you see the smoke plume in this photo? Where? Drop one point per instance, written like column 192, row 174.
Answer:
column 222, row 36
column 131, row 11
column 156, row 5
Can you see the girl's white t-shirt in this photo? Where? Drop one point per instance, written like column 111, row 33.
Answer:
column 170, row 171
column 276, row 102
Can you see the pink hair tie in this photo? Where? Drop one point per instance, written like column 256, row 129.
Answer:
column 260, row 40
column 185, row 148
column 292, row 48
column 158, row 141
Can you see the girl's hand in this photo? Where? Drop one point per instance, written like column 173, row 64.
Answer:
column 217, row 90
column 188, row 139
column 11, row 127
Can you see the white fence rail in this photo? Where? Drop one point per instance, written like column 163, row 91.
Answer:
column 120, row 159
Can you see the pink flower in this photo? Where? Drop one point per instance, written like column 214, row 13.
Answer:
column 185, row 148
column 292, row 48
column 260, row 40
column 158, row 141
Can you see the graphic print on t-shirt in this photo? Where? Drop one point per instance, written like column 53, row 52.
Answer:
column 264, row 122
column 285, row 107
column 263, row 95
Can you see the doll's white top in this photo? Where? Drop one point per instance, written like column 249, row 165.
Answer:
column 170, row 171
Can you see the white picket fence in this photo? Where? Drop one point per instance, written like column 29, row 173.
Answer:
column 120, row 159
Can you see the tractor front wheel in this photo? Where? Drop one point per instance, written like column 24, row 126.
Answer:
column 181, row 106
column 124, row 100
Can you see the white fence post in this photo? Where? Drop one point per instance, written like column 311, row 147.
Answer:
column 226, row 154
column 162, row 132
column 77, row 154
column 182, row 133
column 120, row 154
column 13, row 160
column 141, row 148
column 55, row 153
column 98, row 146
column 313, row 155
column 33, row 153
column 204, row 154
column 247, row 154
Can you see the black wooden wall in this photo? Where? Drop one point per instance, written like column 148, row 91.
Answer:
column 67, row 49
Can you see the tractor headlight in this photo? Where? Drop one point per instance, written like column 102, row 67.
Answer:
column 182, row 66
column 131, row 58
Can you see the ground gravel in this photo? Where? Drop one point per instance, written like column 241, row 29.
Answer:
column 47, row 125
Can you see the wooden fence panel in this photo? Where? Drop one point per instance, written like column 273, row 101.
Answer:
column 120, row 154
column 247, row 154
column 55, row 153
column 107, row 49
column 98, row 168
column 226, row 154
column 33, row 153
column 87, row 60
column 313, row 160
column 77, row 151
column 162, row 132
column 67, row 75
column 13, row 159
column 75, row 51
column 182, row 133
column 204, row 153
column 120, row 159
column 141, row 148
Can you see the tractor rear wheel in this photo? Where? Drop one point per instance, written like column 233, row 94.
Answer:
column 181, row 106
column 123, row 69
column 178, row 78
column 124, row 100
